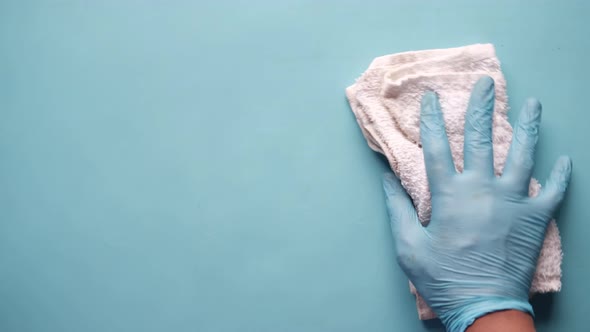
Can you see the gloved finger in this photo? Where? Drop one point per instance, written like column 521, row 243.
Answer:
column 477, row 147
column 402, row 214
column 552, row 194
column 435, row 144
column 521, row 157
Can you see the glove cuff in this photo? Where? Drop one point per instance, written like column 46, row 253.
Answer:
column 460, row 319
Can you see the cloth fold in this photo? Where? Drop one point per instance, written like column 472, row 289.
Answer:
column 386, row 103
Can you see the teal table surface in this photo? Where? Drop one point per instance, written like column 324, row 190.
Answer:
column 194, row 165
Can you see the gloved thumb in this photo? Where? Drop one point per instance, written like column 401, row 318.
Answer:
column 402, row 214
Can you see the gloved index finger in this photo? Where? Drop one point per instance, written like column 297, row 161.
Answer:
column 435, row 144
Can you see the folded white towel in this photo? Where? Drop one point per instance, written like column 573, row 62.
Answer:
column 386, row 103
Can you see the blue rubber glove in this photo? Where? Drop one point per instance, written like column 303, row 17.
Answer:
column 479, row 251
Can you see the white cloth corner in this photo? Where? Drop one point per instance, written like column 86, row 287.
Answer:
column 386, row 103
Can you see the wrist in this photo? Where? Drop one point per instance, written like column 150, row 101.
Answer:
column 505, row 321
column 459, row 319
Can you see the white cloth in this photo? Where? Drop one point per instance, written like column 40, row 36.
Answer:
column 386, row 103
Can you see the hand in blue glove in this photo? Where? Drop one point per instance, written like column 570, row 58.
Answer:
column 479, row 251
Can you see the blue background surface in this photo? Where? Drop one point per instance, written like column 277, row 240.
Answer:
column 194, row 165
